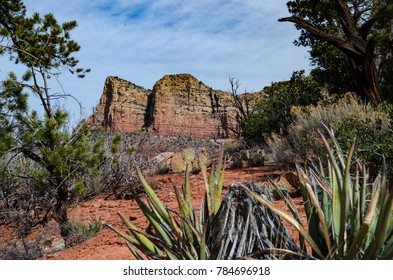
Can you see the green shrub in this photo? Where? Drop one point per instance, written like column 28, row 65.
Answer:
column 272, row 113
column 79, row 232
column 349, row 117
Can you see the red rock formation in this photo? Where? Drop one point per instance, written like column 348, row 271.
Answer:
column 122, row 107
column 178, row 105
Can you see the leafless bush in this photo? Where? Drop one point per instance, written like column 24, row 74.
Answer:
column 25, row 203
column 243, row 154
column 27, row 251
column 117, row 171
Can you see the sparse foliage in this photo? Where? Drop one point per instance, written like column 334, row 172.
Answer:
column 80, row 232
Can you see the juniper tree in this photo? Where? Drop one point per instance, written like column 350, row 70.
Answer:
column 344, row 35
column 54, row 157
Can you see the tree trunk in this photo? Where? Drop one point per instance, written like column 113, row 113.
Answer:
column 366, row 75
column 60, row 213
column 359, row 49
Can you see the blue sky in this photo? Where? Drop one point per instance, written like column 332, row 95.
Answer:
column 141, row 41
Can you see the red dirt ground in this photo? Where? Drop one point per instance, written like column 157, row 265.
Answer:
column 106, row 245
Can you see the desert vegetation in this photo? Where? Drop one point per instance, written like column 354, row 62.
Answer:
column 332, row 127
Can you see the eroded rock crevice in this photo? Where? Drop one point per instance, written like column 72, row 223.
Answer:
column 178, row 105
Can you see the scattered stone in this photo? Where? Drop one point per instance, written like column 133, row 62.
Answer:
column 53, row 244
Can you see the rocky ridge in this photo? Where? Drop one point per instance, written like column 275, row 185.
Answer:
column 178, row 105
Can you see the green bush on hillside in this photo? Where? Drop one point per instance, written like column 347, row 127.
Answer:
column 349, row 117
column 272, row 113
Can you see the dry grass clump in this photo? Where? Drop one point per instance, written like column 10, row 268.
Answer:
column 349, row 117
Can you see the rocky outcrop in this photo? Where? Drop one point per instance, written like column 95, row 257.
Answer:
column 122, row 107
column 178, row 105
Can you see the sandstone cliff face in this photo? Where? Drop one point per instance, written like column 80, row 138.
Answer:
column 178, row 105
column 182, row 105
column 122, row 107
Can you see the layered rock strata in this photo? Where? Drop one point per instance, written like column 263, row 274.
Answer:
column 122, row 107
column 178, row 105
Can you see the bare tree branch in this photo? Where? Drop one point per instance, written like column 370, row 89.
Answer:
column 333, row 40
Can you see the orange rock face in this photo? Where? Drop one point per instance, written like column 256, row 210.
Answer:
column 122, row 107
column 178, row 105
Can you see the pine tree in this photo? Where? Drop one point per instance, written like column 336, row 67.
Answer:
column 54, row 158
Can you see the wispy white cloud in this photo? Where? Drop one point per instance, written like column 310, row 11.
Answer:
column 143, row 40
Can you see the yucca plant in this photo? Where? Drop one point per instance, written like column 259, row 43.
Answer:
column 176, row 234
column 349, row 213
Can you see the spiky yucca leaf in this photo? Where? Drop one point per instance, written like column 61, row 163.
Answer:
column 349, row 214
column 292, row 208
column 173, row 239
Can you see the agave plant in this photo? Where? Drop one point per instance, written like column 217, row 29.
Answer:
column 349, row 212
column 176, row 234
